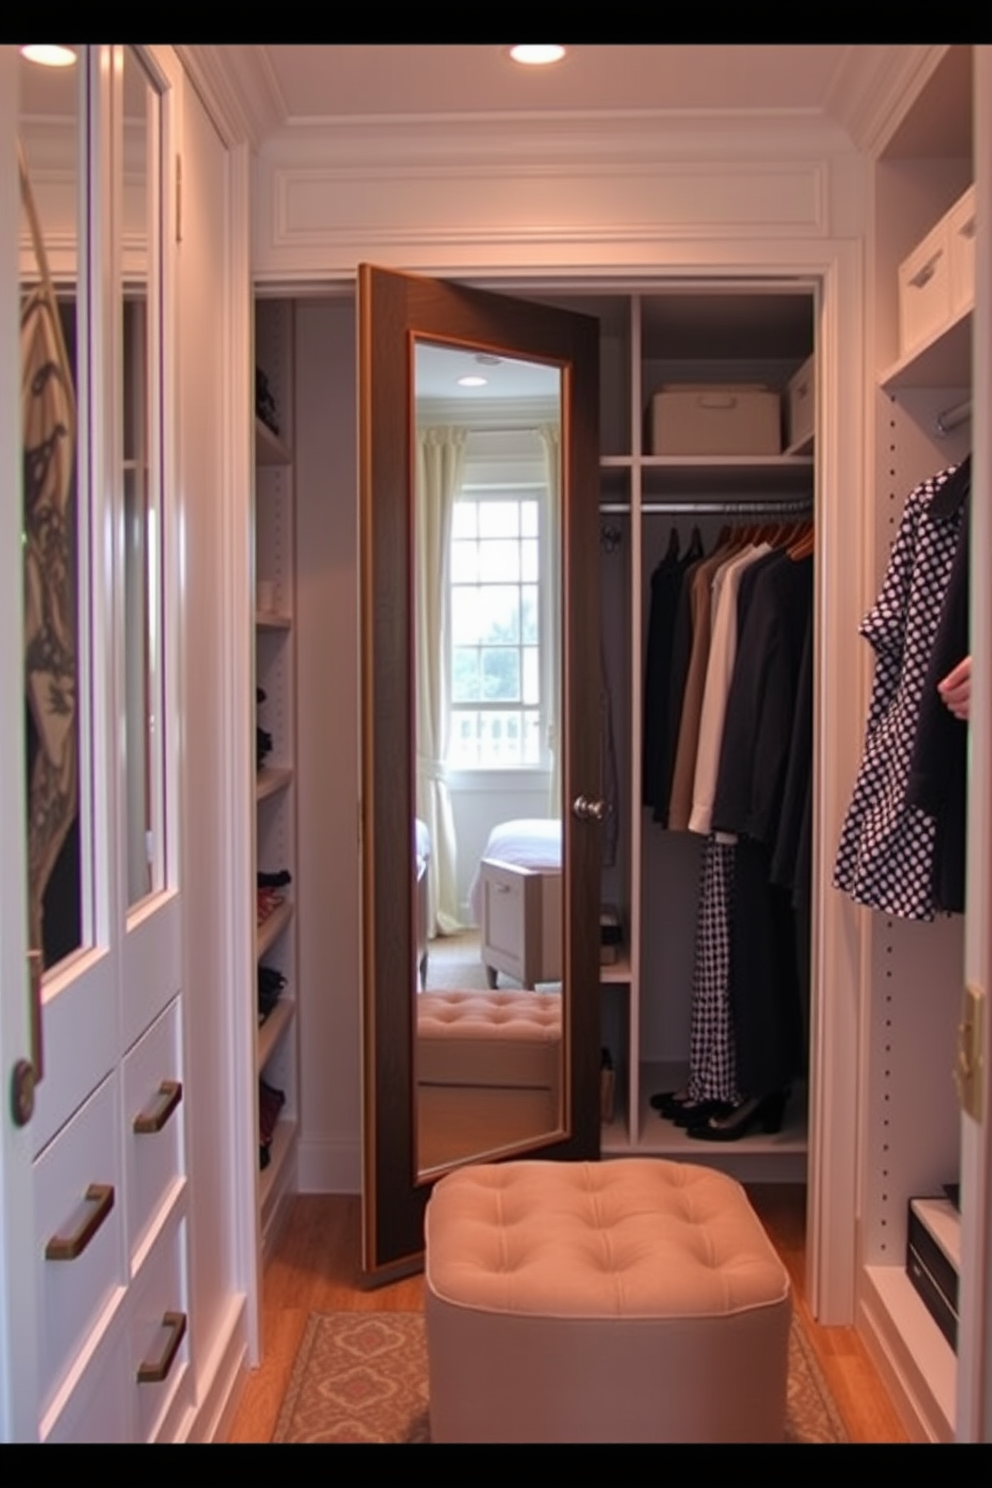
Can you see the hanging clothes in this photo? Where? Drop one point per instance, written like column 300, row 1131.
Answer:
column 666, row 589
column 886, row 854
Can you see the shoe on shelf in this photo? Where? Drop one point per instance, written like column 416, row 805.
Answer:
column 763, row 1111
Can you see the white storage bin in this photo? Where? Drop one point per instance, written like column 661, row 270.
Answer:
column 961, row 248
column 924, row 290
column 737, row 420
column 800, row 405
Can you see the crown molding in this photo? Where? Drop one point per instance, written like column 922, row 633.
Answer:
column 872, row 88
column 239, row 90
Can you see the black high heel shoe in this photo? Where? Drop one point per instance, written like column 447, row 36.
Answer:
column 765, row 1111
column 698, row 1113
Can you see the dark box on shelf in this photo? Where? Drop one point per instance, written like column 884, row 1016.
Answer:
column 933, row 1260
column 610, row 936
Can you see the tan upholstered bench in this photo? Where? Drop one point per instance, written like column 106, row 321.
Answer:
column 637, row 1300
column 489, row 1038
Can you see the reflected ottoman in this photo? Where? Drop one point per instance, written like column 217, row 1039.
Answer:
column 636, row 1300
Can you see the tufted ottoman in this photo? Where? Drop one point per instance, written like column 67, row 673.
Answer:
column 636, row 1300
column 489, row 1038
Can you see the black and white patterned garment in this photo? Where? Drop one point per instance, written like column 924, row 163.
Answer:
column 712, row 1050
column 885, row 857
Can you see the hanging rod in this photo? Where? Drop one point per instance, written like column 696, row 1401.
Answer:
column 771, row 507
column 951, row 417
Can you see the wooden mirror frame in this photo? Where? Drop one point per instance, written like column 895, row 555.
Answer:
column 394, row 309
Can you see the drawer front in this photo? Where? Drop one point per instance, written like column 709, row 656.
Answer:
column 79, row 1234
column 924, row 290
column 159, row 1344
column 961, row 247
column 153, row 1124
column 98, row 1408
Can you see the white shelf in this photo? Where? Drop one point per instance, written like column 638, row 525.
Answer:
column 944, row 361
column 269, row 448
column 272, row 1030
column 271, row 929
column 270, row 780
column 270, row 620
column 619, row 972
column 272, row 1178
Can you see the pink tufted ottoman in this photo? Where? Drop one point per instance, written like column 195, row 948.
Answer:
column 628, row 1301
column 489, row 1038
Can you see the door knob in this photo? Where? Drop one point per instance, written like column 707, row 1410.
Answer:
column 588, row 810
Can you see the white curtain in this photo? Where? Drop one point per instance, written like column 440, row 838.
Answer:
column 440, row 462
column 550, row 436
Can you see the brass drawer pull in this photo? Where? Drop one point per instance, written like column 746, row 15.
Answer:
column 92, row 1212
column 170, row 1093
column 157, row 1370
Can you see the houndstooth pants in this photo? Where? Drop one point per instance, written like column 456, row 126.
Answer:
column 712, row 1062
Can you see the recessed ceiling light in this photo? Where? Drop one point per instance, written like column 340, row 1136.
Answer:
column 472, row 381
column 537, row 56
column 50, row 56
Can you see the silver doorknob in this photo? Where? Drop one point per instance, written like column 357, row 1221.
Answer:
column 587, row 810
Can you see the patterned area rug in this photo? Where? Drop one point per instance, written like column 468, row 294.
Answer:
column 362, row 1377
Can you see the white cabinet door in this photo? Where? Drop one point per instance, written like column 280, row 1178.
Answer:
column 89, row 596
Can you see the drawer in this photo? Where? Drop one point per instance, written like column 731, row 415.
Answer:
column 98, row 1406
column 961, row 248
column 153, row 1124
column 159, row 1346
column 79, row 1246
column 925, row 290
column 800, row 405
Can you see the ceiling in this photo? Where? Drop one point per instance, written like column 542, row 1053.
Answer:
column 329, row 80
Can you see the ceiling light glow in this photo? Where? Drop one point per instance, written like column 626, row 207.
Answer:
column 537, row 56
column 472, row 381
column 50, row 56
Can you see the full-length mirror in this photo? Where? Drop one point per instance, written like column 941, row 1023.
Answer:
column 480, row 727
column 487, row 696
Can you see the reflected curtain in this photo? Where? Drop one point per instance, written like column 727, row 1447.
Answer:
column 440, row 463
column 550, row 437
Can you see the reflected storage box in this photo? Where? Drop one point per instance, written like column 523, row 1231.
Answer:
column 610, row 936
column 933, row 1260
column 697, row 419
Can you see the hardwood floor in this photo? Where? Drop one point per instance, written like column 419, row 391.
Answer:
column 316, row 1268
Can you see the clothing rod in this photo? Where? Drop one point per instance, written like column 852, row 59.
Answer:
column 951, row 417
column 788, row 506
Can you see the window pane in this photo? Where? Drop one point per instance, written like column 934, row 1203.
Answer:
column 532, row 676
column 529, row 560
column 499, row 518
column 465, row 680
column 466, row 621
column 501, row 675
column 499, row 614
column 499, row 561
column 528, row 615
column 528, row 519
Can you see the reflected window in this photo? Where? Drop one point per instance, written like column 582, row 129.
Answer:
column 496, row 631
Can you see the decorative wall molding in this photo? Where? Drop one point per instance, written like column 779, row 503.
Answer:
column 872, row 87
column 237, row 88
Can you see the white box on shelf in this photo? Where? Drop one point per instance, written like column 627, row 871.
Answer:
column 716, row 420
column 924, row 290
column 961, row 248
column 800, row 404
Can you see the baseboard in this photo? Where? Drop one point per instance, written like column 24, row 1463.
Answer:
column 329, row 1167
column 222, row 1378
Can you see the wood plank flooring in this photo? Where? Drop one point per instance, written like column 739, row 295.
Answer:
column 315, row 1267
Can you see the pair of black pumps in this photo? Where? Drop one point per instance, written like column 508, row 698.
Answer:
column 717, row 1121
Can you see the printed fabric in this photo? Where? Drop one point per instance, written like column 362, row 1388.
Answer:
column 886, row 853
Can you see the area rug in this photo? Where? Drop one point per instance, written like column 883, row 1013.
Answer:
column 362, row 1377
